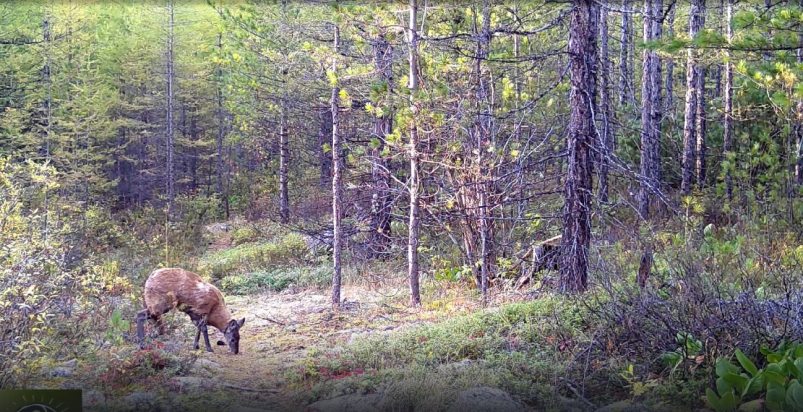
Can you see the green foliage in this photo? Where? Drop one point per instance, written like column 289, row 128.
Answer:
column 287, row 250
column 244, row 234
column 779, row 381
column 277, row 280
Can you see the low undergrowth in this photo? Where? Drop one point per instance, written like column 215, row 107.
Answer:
column 522, row 348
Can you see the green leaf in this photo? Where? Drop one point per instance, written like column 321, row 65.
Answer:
column 737, row 381
column 794, row 395
column 729, row 401
column 723, row 386
column 724, row 367
column 770, row 376
column 713, row 400
column 776, row 396
column 755, row 384
column 746, row 363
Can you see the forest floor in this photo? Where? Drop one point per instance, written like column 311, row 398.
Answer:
column 281, row 329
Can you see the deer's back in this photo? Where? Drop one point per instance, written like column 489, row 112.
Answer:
column 171, row 288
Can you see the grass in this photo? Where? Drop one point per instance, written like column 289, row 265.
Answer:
column 316, row 277
column 514, row 348
column 287, row 250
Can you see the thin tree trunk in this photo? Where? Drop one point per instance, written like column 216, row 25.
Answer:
column 650, row 101
column 169, row 141
column 607, row 134
column 625, row 86
column 798, row 119
column 414, row 223
column 576, row 214
column 219, row 187
column 692, row 99
column 284, row 201
column 728, row 132
column 337, row 183
column 48, row 106
column 701, row 126
column 670, row 65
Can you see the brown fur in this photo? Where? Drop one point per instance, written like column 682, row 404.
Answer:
column 173, row 288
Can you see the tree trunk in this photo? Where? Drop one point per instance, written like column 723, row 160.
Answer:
column 625, row 84
column 727, row 138
column 670, row 65
column 576, row 214
column 650, row 166
column 284, row 201
column 798, row 118
column 692, row 99
column 607, row 133
column 221, row 120
column 380, row 175
column 337, row 176
column 414, row 224
column 701, row 143
column 169, row 140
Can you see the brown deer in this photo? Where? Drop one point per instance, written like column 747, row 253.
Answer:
column 171, row 288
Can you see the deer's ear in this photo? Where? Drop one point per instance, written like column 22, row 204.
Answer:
column 220, row 343
column 241, row 322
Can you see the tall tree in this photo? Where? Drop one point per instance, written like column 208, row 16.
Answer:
column 607, row 134
column 284, row 201
column 727, row 138
column 337, row 172
column 583, row 33
column 170, row 122
column 692, row 98
column 670, row 64
column 650, row 166
column 625, row 69
column 415, row 220
column 700, row 128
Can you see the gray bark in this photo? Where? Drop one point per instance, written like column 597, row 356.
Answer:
column 337, row 178
column 576, row 237
column 650, row 166
column 169, row 124
column 414, row 223
column 692, row 98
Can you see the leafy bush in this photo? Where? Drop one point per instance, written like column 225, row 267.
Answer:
column 248, row 258
column 46, row 299
column 778, row 382
column 244, row 235
column 277, row 279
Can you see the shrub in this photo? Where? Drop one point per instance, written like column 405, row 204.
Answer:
column 777, row 383
column 244, row 235
column 249, row 258
column 277, row 280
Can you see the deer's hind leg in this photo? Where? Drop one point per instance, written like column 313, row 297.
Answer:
column 200, row 323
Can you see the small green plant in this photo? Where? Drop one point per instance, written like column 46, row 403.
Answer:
column 637, row 387
column 244, row 235
column 117, row 325
column 779, row 381
column 689, row 349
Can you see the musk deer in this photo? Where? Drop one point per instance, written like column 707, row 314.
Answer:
column 171, row 288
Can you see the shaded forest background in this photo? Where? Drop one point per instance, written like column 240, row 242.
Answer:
column 650, row 152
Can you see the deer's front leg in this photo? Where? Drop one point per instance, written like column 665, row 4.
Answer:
column 141, row 317
column 206, row 338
